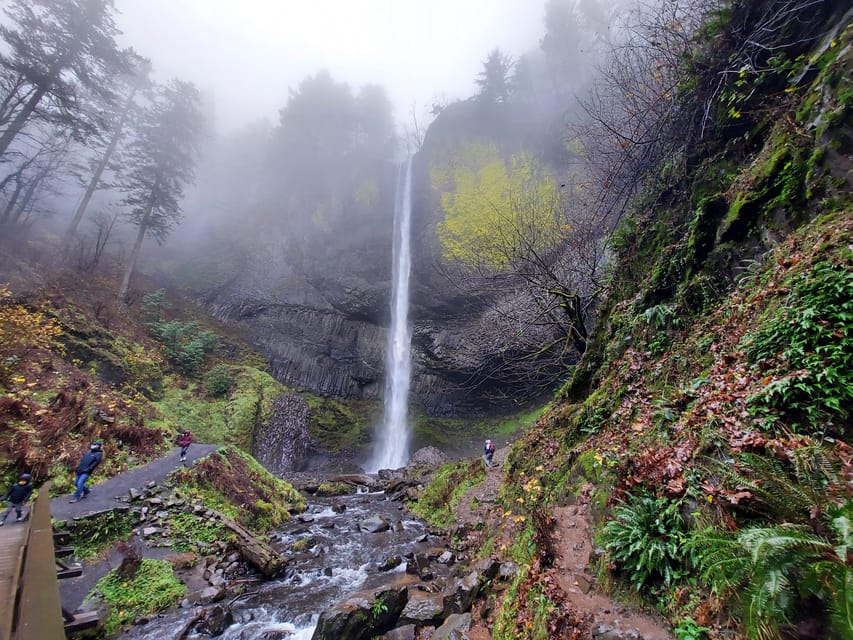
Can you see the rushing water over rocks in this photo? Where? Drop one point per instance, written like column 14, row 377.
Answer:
column 331, row 555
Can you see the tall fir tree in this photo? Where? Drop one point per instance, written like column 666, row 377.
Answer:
column 160, row 163
column 58, row 54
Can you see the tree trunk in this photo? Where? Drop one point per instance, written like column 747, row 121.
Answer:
column 134, row 255
column 10, row 206
column 28, row 195
column 96, row 177
column 21, row 119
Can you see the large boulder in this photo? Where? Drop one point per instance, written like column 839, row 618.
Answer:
column 462, row 594
column 454, row 628
column 363, row 615
column 427, row 458
column 424, row 609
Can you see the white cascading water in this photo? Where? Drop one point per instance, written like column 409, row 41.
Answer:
column 392, row 437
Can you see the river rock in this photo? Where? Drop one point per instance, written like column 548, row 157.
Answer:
column 406, row 632
column 390, row 562
column 446, row 558
column 423, row 608
column 211, row 594
column 282, row 445
column 218, row 619
column 487, row 568
column 359, row 617
column 375, row 524
column 454, row 627
column 419, row 566
column 508, row 570
column 462, row 594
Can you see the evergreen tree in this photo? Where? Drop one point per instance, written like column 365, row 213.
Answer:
column 58, row 52
column 133, row 83
column 161, row 162
column 494, row 80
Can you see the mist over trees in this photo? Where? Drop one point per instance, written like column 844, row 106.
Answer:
column 527, row 177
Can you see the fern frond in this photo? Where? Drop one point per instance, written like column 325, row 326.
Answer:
column 841, row 606
column 763, row 543
column 813, row 467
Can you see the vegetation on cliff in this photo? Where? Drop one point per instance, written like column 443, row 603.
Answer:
column 706, row 425
column 77, row 367
column 233, row 483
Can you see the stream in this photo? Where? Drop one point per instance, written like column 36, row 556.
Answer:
column 342, row 560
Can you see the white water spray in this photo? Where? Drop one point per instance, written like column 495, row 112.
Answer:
column 392, row 438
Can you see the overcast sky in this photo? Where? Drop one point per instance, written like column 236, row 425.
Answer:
column 245, row 54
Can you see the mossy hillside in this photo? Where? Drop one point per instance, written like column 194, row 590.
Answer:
column 153, row 588
column 464, row 435
column 721, row 340
column 438, row 501
column 229, row 419
column 342, row 426
column 235, row 484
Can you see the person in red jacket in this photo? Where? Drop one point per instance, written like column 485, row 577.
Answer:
column 184, row 441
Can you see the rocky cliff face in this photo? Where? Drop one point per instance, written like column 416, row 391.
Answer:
column 283, row 444
column 315, row 301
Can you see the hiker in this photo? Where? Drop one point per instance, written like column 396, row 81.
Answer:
column 185, row 439
column 86, row 468
column 17, row 495
column 489, row 453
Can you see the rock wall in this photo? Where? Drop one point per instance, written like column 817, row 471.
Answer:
column 317, row 304
column 283, row 444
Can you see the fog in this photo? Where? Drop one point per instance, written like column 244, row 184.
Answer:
column 245, row 55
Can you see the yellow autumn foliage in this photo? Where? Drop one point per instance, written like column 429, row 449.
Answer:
column 495, row 208
column 22, row 329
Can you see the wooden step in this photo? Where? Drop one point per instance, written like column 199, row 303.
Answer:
column 62, row 537
column 73, row 572
column 62, row 552
column 82, row 621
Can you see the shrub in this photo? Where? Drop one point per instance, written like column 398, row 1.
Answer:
column 218, row 380
column 438, row 501
column 770, row 572
column 647, row 539
column 809, row 341
column 152, row 589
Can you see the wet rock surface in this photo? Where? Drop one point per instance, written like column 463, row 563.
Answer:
column 283, row 444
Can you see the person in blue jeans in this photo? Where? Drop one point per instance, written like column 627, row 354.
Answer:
column 86, row 468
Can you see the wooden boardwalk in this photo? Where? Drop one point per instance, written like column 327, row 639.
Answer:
column 30, row 608
column 12, row 538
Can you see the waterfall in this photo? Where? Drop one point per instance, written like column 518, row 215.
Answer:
column 391, row 450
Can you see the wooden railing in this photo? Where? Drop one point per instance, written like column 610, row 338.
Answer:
column 37, row 613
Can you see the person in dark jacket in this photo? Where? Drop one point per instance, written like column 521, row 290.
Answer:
column 86, row 468
column 17, row 495
column 185, row 439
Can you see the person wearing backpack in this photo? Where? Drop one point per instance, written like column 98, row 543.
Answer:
column 86, row 468
column 17, row 495
column 489, row 453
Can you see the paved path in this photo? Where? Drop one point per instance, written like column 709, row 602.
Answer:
column 103, row 495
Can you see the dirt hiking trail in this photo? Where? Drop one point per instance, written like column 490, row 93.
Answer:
column 611, row 620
